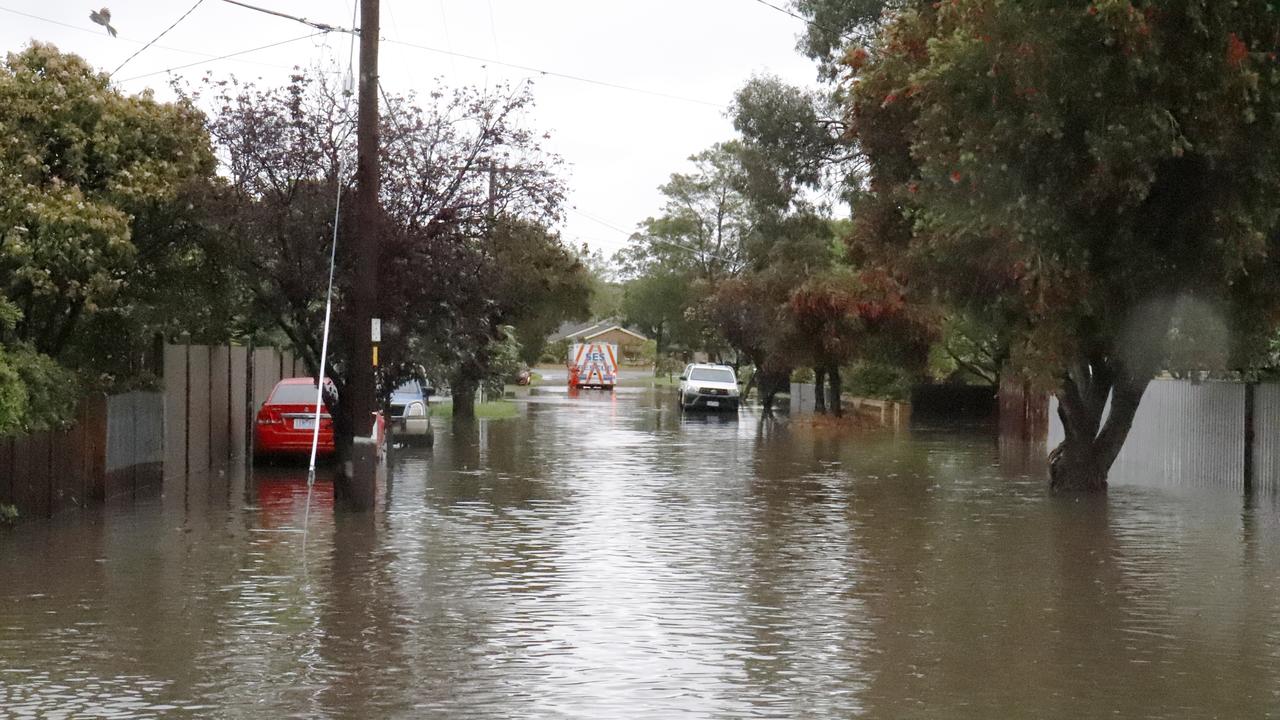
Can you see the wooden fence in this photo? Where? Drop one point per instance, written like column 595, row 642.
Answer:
column 113, row 449
column 211, row 395
column 1024, row 412
column 134, row 442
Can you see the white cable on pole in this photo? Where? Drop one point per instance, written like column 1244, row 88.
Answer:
column 328, row 300
column 324, row 344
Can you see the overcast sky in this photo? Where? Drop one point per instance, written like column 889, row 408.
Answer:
column 620, row 144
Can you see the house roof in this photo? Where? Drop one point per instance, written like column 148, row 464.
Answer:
column 580, row 331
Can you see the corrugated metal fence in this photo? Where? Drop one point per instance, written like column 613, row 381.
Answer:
column 1189, row 434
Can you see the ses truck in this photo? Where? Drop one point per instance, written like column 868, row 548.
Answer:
column 593, row 365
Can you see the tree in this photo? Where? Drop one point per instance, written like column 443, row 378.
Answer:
column 1077, row 168
column 289, row 153
column 655, row 304
column 792, row 141
column 525, row 282
column 86, row 173
column 81, row 163
column 835, row 24
column 606, row 291
column 751, row 313
column 540, row 283
column 705, row 224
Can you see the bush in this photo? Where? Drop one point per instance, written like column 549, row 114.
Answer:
column 36, row 393
column 877, row 380
column 668, row 365
column 648, row 352
column 555, row 353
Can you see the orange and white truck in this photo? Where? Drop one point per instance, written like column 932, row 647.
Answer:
column 593, row 365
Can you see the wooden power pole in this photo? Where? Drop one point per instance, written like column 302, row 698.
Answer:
column 359, row 400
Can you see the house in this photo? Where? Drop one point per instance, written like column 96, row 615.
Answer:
column 629, row 342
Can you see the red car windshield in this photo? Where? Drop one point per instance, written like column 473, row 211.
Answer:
column 294, row 394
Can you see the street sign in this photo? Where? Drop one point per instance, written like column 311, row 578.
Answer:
column 376, row 330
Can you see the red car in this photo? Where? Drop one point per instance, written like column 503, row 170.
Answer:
column 286, row 421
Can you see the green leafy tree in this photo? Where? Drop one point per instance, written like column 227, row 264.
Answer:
column 837, row 26
column 540, row 283
column 87, row 177
column 654, row 302
column 525, row 282
column 80, row 163
column 1078, row 168
column 288, row 150
column 705, row 224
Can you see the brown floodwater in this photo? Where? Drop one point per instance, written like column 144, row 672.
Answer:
column 605, row 557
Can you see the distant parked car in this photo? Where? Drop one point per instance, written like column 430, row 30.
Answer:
column 286, row 421
column 712, row 387
column 523, row 377
column 410, row 412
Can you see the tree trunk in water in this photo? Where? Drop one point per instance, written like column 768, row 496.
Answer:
column 833, row 397
column 771, row 383
column 1083, row 459
column 464, row 398
column 657, row 351
column 819, row 390
column 343, row 432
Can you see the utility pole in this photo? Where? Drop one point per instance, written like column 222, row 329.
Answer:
column 358, row 402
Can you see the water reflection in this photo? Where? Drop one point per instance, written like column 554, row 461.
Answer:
column 608, row 556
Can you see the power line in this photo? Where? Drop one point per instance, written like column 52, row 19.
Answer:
column 598, row 221
column 654, row 240
column 325, row 27
column 321, row 27
column 223, row 57
column 77, row 28
column 804, row 19
column 162, row 34
column 552, row 73
column 493, row 31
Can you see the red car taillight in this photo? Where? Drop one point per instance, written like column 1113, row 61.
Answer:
column 269, row 416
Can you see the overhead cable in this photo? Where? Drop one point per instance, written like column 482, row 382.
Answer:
column 185, row 51
column 223, row 57
column 805, row 20
column 311, row 23
column 162, row 34
column 552, row 73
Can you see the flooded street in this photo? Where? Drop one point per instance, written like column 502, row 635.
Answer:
column 605, row 557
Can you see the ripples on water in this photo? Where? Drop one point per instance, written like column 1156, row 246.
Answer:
column 606, row 557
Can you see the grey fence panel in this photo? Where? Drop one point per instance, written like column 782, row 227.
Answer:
column 175, row 410
column 120, row 431
column 219, row 405
column 198, row 410
column 135, row 446
column 1266, row 439
column 149, row 423
column 803, row 398
column 1184, row 434
column 237, row 390
column 266, row 373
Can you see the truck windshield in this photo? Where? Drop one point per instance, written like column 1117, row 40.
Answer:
column 712, row 375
